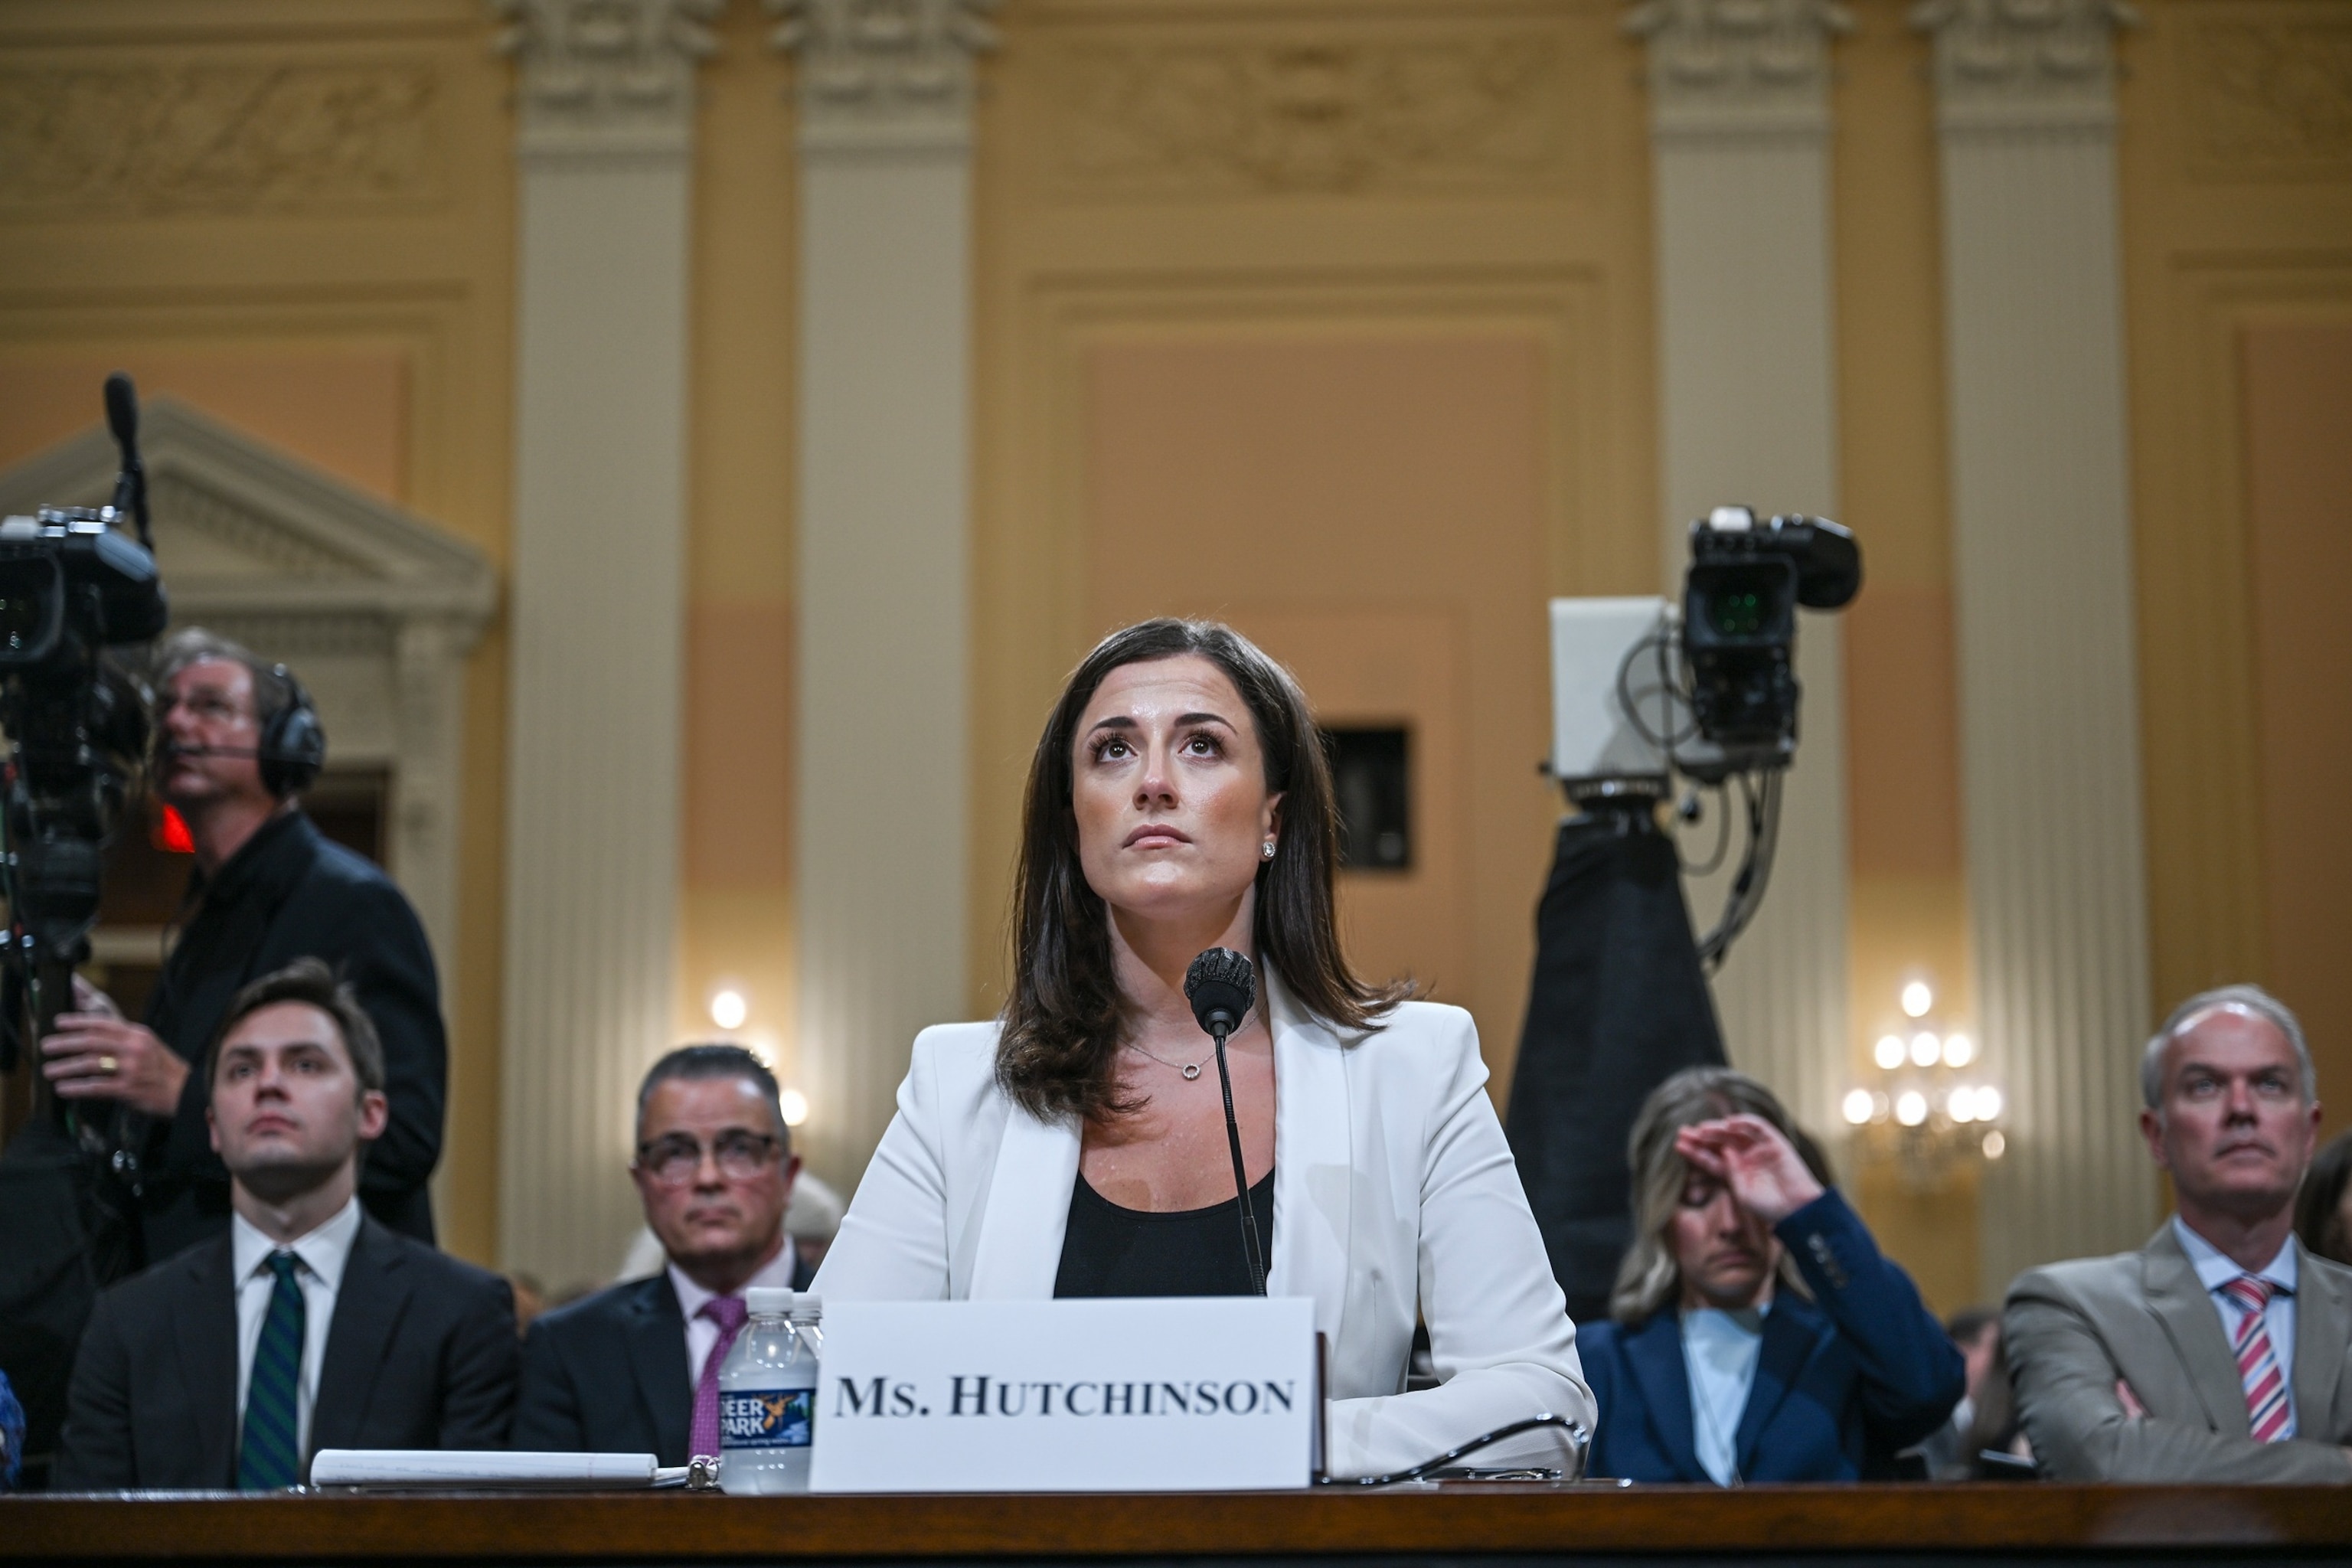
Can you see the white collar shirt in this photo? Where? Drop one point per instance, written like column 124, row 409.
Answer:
column 1720, row 1350
column 701, row 1333
column 2215, row 1268
column 319, row 1257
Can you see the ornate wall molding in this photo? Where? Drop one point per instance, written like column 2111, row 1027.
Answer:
column 1739, row 67
column 606, row 76
column 2025, row 64
column 161, row 138
column 883, row 74
column 2272, row 99
column 1250, row 114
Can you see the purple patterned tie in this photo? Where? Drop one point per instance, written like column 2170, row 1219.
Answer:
column 726, row 1311
column 2267, row 1415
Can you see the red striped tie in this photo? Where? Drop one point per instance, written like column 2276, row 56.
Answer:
column 2258, row 1365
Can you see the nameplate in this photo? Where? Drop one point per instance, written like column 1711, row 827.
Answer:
column 1212, row 1392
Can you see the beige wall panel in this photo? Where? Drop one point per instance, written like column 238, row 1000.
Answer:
column 1334, row 486
column 2237, row 177
column 736, row 902
column 1315, row 171
column 2298, row 405
column 309, row 190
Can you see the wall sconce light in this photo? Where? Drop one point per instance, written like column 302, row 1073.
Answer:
column 1919, row 1112
column 795, row 1105
column 728, row 1008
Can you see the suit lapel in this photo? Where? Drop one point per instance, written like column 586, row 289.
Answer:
column 656, row 1336
column 368, row 1307
column 1654, row 1352
column 1313, row 1161
column 1792, row 1334
column 2179, row 1301
column 1019, row 1253
column 2323, row 1327
column 206, row 1333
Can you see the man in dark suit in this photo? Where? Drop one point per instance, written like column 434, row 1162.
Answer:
column 309, row 1325
column 2222, row 1350
column 635, row 1369
column 237, row 743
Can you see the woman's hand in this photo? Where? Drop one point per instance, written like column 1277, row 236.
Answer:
column 1748, row 1156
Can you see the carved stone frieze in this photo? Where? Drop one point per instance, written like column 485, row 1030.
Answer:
column 2273, row 99
column 156, row 138
column 246, row 537
column 1245, row 114
column 884, row 72
column 602, row 76
column 2027, row 63
column 1738, row 65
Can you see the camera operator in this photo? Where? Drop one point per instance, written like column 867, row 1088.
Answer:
column 237, row 742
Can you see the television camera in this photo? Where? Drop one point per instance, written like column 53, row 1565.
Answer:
column 73, row 588
column 1643, row 690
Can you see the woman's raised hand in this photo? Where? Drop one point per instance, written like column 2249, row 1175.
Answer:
column 1748, row 1156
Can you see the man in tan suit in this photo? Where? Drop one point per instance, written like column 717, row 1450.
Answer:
column 2219, row 1350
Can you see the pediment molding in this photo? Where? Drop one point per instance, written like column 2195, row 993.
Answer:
column 241, row 525
column 373, row 606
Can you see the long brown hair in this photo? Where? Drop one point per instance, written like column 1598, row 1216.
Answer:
column 1065, row 1019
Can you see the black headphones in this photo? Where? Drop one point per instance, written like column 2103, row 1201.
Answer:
column 293, row 743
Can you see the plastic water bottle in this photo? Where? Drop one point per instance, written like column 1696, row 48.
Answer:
column 767, row 1401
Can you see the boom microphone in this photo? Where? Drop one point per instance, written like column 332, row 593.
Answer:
column 130, row 484
column 1221, row 985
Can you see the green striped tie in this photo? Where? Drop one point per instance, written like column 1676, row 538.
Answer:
column 271, row 1454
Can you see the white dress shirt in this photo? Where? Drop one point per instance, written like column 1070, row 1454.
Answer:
column 701, row 1333
column 2215, row 1268
column 1719, row 1354
column 318, row 1260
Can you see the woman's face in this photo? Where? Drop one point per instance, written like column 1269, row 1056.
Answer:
column 1168, row 789
column 1726, row 1255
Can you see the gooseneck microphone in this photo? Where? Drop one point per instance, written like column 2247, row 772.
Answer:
column 130, row 484
column 1221, row 985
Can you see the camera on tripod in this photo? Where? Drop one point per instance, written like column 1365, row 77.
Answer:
column 1642, row 693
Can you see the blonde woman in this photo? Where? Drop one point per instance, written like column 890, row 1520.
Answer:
column 1759, row 1334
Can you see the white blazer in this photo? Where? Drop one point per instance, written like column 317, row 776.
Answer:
column 1393, row 1190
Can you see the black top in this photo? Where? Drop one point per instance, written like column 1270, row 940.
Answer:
column 290, row 893
column 1111, row 1251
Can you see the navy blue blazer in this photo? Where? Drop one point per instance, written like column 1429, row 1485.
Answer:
column 1842, row 1382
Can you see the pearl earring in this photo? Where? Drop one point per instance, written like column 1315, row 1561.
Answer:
column 1269, row 849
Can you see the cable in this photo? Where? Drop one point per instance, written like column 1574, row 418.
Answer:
column 1578, row 1438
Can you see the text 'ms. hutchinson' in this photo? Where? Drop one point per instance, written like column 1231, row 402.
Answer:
column 979, row 1395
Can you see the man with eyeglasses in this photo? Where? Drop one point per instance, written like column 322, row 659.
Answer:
column 635, row 1369
column 236, row 743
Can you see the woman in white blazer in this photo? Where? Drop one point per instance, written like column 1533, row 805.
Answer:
column 1178, row 800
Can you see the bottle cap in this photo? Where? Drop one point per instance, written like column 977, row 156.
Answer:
column 764, row 1302
column 808, row 1304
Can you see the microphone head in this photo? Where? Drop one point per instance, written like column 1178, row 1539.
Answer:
column 122, row 407
column 1221, row 985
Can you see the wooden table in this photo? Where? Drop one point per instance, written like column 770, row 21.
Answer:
column 1449, row 1524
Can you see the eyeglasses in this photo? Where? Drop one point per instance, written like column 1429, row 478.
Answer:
column 673, row 1161
column 204, row 707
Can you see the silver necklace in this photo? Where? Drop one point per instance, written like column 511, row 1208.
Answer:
column 1189, row 1069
